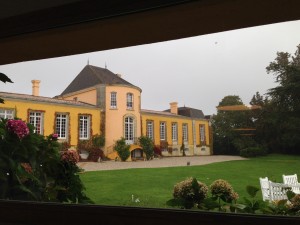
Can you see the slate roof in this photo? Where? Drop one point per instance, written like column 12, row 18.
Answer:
column 189, row 112
column 25, row 97
column 91, row 76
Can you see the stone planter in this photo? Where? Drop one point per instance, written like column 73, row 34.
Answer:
column 84, row 154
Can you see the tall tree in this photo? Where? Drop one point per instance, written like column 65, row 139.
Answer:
column 286, row 69
column 285, row 101
column 227, row 140
column 263, row 120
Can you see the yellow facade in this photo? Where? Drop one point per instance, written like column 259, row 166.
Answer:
column 115, row 116
column 23, row 107
column 193, row 144
column 88, row 95
column 109, row 105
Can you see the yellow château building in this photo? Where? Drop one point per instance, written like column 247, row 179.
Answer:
column 98, row 101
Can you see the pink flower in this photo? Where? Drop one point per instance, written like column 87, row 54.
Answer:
column 70, row 156
column 54, row 137
column 17, row 127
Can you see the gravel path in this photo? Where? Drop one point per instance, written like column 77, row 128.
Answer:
column 156, row 163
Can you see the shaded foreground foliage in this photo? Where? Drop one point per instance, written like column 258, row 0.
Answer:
column 33, row 168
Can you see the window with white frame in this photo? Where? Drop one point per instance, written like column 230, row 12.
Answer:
column 129, row 129
column 36, row 119
column 162, row 131
column 150, row 133
column 61, row 124
column 84, row 127
column 185, row 132
column 202, row 134
column 129, row 100
column 7, row 113
column 113, row 100
column 174, row 132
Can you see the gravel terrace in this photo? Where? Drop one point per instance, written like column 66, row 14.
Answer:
column 156, row 163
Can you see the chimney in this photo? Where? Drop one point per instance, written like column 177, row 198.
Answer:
column 174, row 108
column 35, row 87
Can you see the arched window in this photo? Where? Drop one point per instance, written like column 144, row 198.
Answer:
column 129, row 129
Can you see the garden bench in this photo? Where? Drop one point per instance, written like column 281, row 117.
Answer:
column 264, row 185
column 278, row 191
column 292, row 181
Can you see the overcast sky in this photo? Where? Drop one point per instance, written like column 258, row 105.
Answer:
column 196, row 72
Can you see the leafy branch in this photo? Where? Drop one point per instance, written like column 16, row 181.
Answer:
column 4, row 79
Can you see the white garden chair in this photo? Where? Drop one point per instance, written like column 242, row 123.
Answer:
column 264, row 185
column 277, row 191
column 292, row 181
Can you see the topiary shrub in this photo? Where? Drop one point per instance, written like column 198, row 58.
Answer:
column 190, row 192
column 147, row 145
column 122, row 149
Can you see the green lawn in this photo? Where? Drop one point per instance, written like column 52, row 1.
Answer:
column 153, row 187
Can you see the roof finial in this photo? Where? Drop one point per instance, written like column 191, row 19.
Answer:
column 88, row 61
column 105, row 66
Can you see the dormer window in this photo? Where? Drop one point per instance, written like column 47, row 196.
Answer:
column 113, row 100
column 129, row 101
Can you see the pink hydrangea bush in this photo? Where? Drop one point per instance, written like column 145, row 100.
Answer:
column 38, row 171
column 70, row 156
column 190, row 192
column 17, row 127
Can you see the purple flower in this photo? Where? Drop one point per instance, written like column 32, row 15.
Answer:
column 17, row 127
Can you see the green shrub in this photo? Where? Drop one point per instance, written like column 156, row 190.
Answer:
column 147, row 145
column 98, row 140
column 253, row 152
column 93, row 147
column 122, row 149
column 32, row 167
column 190, row 192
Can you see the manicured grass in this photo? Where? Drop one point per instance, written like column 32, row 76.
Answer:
column 153, row 186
